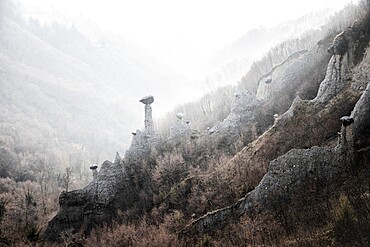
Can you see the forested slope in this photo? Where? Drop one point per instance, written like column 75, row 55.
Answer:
column 293, row 181
column 63, row 95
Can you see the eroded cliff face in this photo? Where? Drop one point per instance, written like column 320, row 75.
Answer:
column 315, row 121
column 92, row 205
column 361, row 116
column 251, row 115
column 300, row 174
column 281, row 163
column 290, row 169
column 116, row 188
column 241, row 121
column 142, row 141
column 288, row 176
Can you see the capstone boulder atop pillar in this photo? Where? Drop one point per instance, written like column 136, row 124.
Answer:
column 147, row 100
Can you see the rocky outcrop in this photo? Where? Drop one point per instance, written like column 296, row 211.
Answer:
column 240, row 121
column 332, row 102
column 288, row 177
column 94, row 168
column 143, row 141
column 293, row 172
column 340, row 44
column 140, row 147
column 348, row 50
column 251, row 115
column 148, row 122
column 264, row 88
column 280, row 164
column 241, row 111
column 114, row 188
column 361, row 118
column 300, row 173
column 91, row 206
column 300, row 75
column 180, row 131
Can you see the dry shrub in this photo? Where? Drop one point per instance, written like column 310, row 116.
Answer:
column 170, row 169
column 222, row 183
column 262, row 230
column 130, row 235
column 25, row 210
column 348, row 227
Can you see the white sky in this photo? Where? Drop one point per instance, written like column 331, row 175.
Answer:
column 212, row 23
column 190, row 31
column 184, row 34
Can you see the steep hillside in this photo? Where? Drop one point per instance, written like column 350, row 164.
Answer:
column 229, row 65
column 292, row 174
column 62, row 95
column 309, row 175
column 214, row 106
column 282, row 162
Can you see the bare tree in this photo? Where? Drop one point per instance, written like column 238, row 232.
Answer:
column 67, row 179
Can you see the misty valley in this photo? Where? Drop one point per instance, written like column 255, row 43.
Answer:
column 262, row 141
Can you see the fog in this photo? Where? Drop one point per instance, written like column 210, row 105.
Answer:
column 184, row 34
column 76, row 69
column 184, row 123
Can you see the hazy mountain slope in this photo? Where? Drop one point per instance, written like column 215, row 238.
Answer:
column 61, row 91
column 180, row 180
column 231, row 63
column 42, row 82
column 289, row 180
column 214, row 106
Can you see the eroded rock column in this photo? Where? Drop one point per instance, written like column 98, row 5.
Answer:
column 148, row 121
column 347, row 135
column 94, row 172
